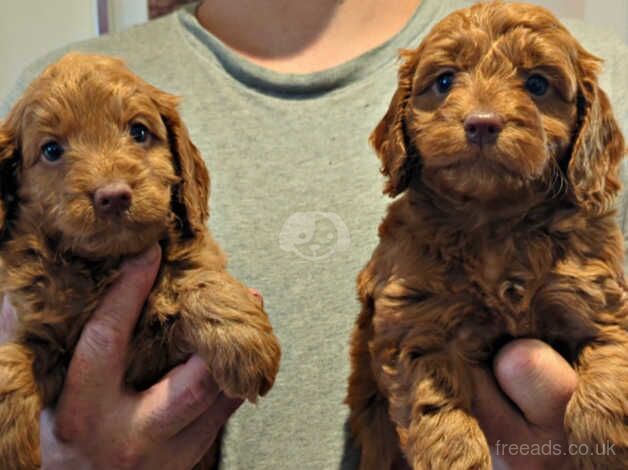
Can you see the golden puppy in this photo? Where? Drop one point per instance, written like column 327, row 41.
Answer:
column 96, row 165
column 506, row 153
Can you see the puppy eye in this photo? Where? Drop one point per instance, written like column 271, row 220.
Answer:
column 537, row 85
column 52, row 151
column 444, row 82
column 139, row 132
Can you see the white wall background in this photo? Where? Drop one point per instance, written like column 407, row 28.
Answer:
column 607, row 14
column 125, row 13
column 31, row 28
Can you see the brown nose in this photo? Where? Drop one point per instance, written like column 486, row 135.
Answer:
column 113, row 198
column 483, row 128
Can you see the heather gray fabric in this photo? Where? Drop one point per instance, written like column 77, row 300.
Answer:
column 296, row 200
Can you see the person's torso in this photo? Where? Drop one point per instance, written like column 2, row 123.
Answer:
column 295, row 202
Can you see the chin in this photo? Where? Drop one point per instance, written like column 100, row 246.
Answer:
column 123, row 241
column 481, row 178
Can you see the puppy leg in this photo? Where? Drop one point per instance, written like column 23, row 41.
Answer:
column 225, row 324
column 449, row 439
column 20, row 407
column 435, row 426
column 597, row 414
column 369, row 420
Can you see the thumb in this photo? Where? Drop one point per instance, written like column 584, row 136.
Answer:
column 537, row 379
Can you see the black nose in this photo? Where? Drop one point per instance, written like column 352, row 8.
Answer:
column 483, row 128
column 113, row 198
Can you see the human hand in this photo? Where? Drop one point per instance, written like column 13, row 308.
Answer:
column 7, row 320
column 99, row 424
column 521, row 408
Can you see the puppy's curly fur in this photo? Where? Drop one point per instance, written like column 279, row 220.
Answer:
column 508, row 237
column 60, row 253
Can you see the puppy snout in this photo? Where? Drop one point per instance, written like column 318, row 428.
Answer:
column 113, row 198
column 483, row 128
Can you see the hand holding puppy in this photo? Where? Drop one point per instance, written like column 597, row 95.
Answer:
column 98, row 423
column 101, row 424
column 523, row 405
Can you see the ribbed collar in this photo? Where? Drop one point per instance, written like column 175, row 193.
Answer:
column 282, row 84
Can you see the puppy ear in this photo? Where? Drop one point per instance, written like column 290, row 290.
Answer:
column 593, row 170
column 9, row 158
column 389, row 139
column 190, row 196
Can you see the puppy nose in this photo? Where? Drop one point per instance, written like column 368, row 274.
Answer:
column 483, row 128
column 113, row 198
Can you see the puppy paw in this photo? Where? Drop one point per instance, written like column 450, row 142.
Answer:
column 244, row 367
column 596, row 420
column 598, row 437
column 19, row 410
column 231, row 331
column 450, row 439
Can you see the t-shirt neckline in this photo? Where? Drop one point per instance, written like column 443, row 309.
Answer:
column 277, row 83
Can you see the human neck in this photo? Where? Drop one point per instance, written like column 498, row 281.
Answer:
column 304, row 36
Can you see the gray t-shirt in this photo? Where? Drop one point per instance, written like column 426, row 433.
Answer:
column 296, row 201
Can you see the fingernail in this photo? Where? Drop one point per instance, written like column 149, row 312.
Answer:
column 232, row 405
column 258, row 295
column 147, row 258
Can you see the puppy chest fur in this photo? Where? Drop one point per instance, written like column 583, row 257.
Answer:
column 504, row 153
column 470, row 291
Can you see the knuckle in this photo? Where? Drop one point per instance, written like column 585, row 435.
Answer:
column 197, row 392
column 136, row 281
column 101, row 338
column 69, row 428
column 209, row 432
column 128, row 457
column 212, row 422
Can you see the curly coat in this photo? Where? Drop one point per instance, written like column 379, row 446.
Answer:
column 60, row 254
column 510, row 238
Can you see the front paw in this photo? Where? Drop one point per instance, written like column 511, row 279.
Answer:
column 596, row 420
column 235, row 339
column 20, row 406
column 598, row 437
column 450, row 439
column 245, row 364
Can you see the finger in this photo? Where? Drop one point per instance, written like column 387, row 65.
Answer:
column 98, row 362
column 258, row 295
column 194, row 441
column 537, row 379
column 8, row 320
column 48, row 442
column 177, row 400
column 497, row 416
column 46, row 426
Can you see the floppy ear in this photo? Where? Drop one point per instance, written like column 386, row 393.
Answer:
column 593, row 170
column 190, row 196
column 390, row 140
column 9, row 159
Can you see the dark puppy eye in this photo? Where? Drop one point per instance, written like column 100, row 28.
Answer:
column 444, row 82
column 139, row 132
column 537, row 85
column 52, row 151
